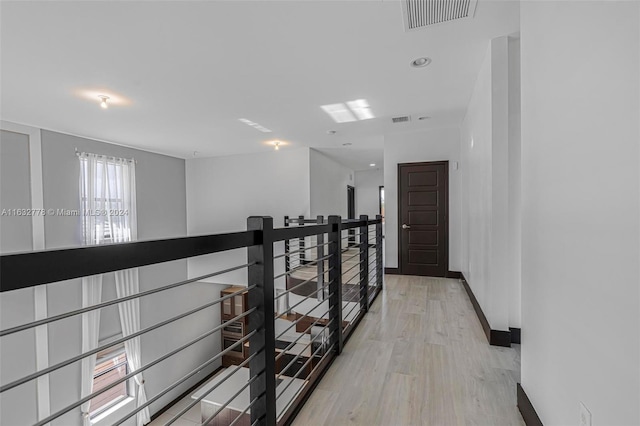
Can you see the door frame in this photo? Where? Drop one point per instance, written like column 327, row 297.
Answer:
column 446, row 216
column 351, row 208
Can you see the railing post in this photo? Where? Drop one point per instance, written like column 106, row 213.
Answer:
column 379, row 270
column 364, row 263
column 335, row 282
column 301, row 243
column 286, row 247
column 262, row 344
column 320, row 255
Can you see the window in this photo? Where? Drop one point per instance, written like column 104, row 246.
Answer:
column 111, row 365
column 107, row 196
column 381, row 200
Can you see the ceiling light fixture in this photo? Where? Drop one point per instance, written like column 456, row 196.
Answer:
column 372, row 165
column 103, row 101
column 331, row 132
column 420, row 62
column 254, row 125
column 276, row 144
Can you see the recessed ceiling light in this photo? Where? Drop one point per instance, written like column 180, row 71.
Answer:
column 372, row 165
column 254, row 125
column 347, row 144
column 103, row 101
column 421, row 62
column 424, row 117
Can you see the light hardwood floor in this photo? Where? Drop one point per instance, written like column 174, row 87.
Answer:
column 419, row 357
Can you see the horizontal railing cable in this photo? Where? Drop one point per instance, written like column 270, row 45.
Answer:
column 357, row 234
column 292, row 344
column 289, row 290
column 178, row 383
column 299, row 251
column 356, row 275
column 223, row 406
column 119, row 300
column 77, row 358
column 356, row 305
column 305, row 365
column 302, row 266
column 313, row 370
column 305, row 298
column 348, row 270
column 296, row 357
column 136, row 372
column 200, row 398
column 354, row 256
column 239, row 416
column 303, row 316
column 290, row 233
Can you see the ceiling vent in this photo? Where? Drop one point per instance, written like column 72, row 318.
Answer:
column 422, row 13
column 401, row 119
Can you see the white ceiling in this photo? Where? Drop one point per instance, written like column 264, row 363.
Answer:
column 181, row 74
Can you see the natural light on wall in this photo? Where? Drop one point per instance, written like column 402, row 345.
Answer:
column 351, row 111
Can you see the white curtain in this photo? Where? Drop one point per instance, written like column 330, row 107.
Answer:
column 107, row 187
column 90, row 186
column 91, row 295
column 127, row 284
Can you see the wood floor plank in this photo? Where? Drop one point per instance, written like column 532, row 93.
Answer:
column 419, row 357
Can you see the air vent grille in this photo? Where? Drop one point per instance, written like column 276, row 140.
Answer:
column 401, row 119
column 421, row 13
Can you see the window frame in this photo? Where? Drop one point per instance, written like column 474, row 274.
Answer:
column 108, row 203
column 107, row 355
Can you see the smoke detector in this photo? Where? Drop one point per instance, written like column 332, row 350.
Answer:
column 417, row 14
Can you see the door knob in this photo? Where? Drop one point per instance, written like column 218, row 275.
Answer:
column 405, row 226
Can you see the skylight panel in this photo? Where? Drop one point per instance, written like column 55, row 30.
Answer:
column 349, row 111
column 361, row 109
column 339, row 112
column 254, row 125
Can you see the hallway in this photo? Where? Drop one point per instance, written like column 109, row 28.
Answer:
column 419, row 357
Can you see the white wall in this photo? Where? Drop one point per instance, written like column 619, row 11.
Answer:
column 490, row 151
column 328, row 185
column 222, row 192
column 580, row 230
column 15, row 231
column 476, row 164
column 429, row 145
column 161, row 206
column 368, row 183
column 515, row 186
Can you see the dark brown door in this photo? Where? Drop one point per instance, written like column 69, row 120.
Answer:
column 423, row 231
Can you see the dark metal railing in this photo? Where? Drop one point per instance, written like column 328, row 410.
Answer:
column 332, row 283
